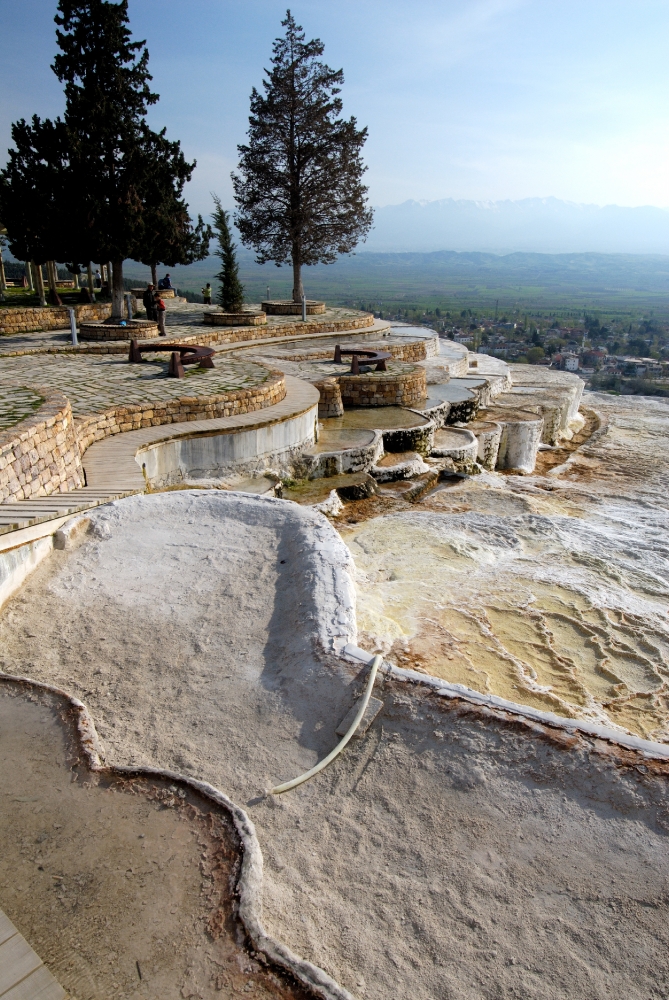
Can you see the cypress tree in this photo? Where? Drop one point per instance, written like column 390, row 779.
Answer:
column 231, row 292
column 299, row 190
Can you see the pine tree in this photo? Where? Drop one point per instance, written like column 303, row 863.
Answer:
column 169, row 234
column 112, row 178
column 231, row 292
column 299, row 192
column 33, row 191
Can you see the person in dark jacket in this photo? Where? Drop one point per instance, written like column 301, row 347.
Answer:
column 148, row 301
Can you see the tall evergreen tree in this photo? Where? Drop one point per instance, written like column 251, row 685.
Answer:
column 33, row 191
column 113, row 174
column 231, row 293
column 169, row 234
column 299, row 190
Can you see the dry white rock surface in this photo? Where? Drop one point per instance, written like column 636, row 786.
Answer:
column 444, row 854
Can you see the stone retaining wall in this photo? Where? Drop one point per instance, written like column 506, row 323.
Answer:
column 15, row 320
column 41, row 455
column 119, row 419
column 415, row 350
column 383, row 389
column 330, row 404
column 207, row 338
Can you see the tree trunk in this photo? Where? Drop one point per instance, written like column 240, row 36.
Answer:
column 117, row 290
column 3, row 280
column 29, row 276
column 75, row 278
column 39, row 283
column 154, row 275
column 109, row 278
column 298, row 287
column 91, row 287
column 51, row 276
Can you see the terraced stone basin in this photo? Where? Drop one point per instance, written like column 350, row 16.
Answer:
column 340, row 438
column 350, row 486
column 458, row 444
column 339, row 450
column 383, row 418
column 451, row 402
column 488, row 435
column 402, row 429
column 520, row 438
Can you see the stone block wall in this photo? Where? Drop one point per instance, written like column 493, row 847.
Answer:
column 414, row 350
column 15, row 320
column 384, row 389
column 330, row 404
column 237, row 335
column 119, row 419
column 234, row 319
column 41, row 455
column 279, row 307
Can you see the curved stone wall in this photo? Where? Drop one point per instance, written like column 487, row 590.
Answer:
column 41, row 455
column 14, row 319
column 275, row 445
column 119, row 419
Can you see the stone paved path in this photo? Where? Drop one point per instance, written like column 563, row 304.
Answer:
column 95, row 383
column 180, row 318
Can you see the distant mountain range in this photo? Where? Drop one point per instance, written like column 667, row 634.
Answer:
column 542, row 225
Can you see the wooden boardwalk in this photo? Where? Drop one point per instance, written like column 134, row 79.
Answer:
column 23, row 974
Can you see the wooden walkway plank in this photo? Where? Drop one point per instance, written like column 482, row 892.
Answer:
column 40, row 985
column 23, row 975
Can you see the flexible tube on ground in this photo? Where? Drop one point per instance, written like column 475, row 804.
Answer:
column 286, row 787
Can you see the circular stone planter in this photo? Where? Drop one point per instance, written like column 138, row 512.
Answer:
column 286, row 307
column 235, row 319
column 488, row 433
column 458, row 444
column 520, row 438
column 400, row 388
column 140, row 329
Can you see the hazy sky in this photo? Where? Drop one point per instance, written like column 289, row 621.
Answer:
column 483, row 99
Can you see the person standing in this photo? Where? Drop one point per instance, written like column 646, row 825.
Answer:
column 206, row 291
column 160, row 311
column 148, row 302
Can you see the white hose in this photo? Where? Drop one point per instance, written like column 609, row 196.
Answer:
column 286, row 787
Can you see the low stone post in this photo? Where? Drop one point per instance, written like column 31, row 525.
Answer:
column 73, row 326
